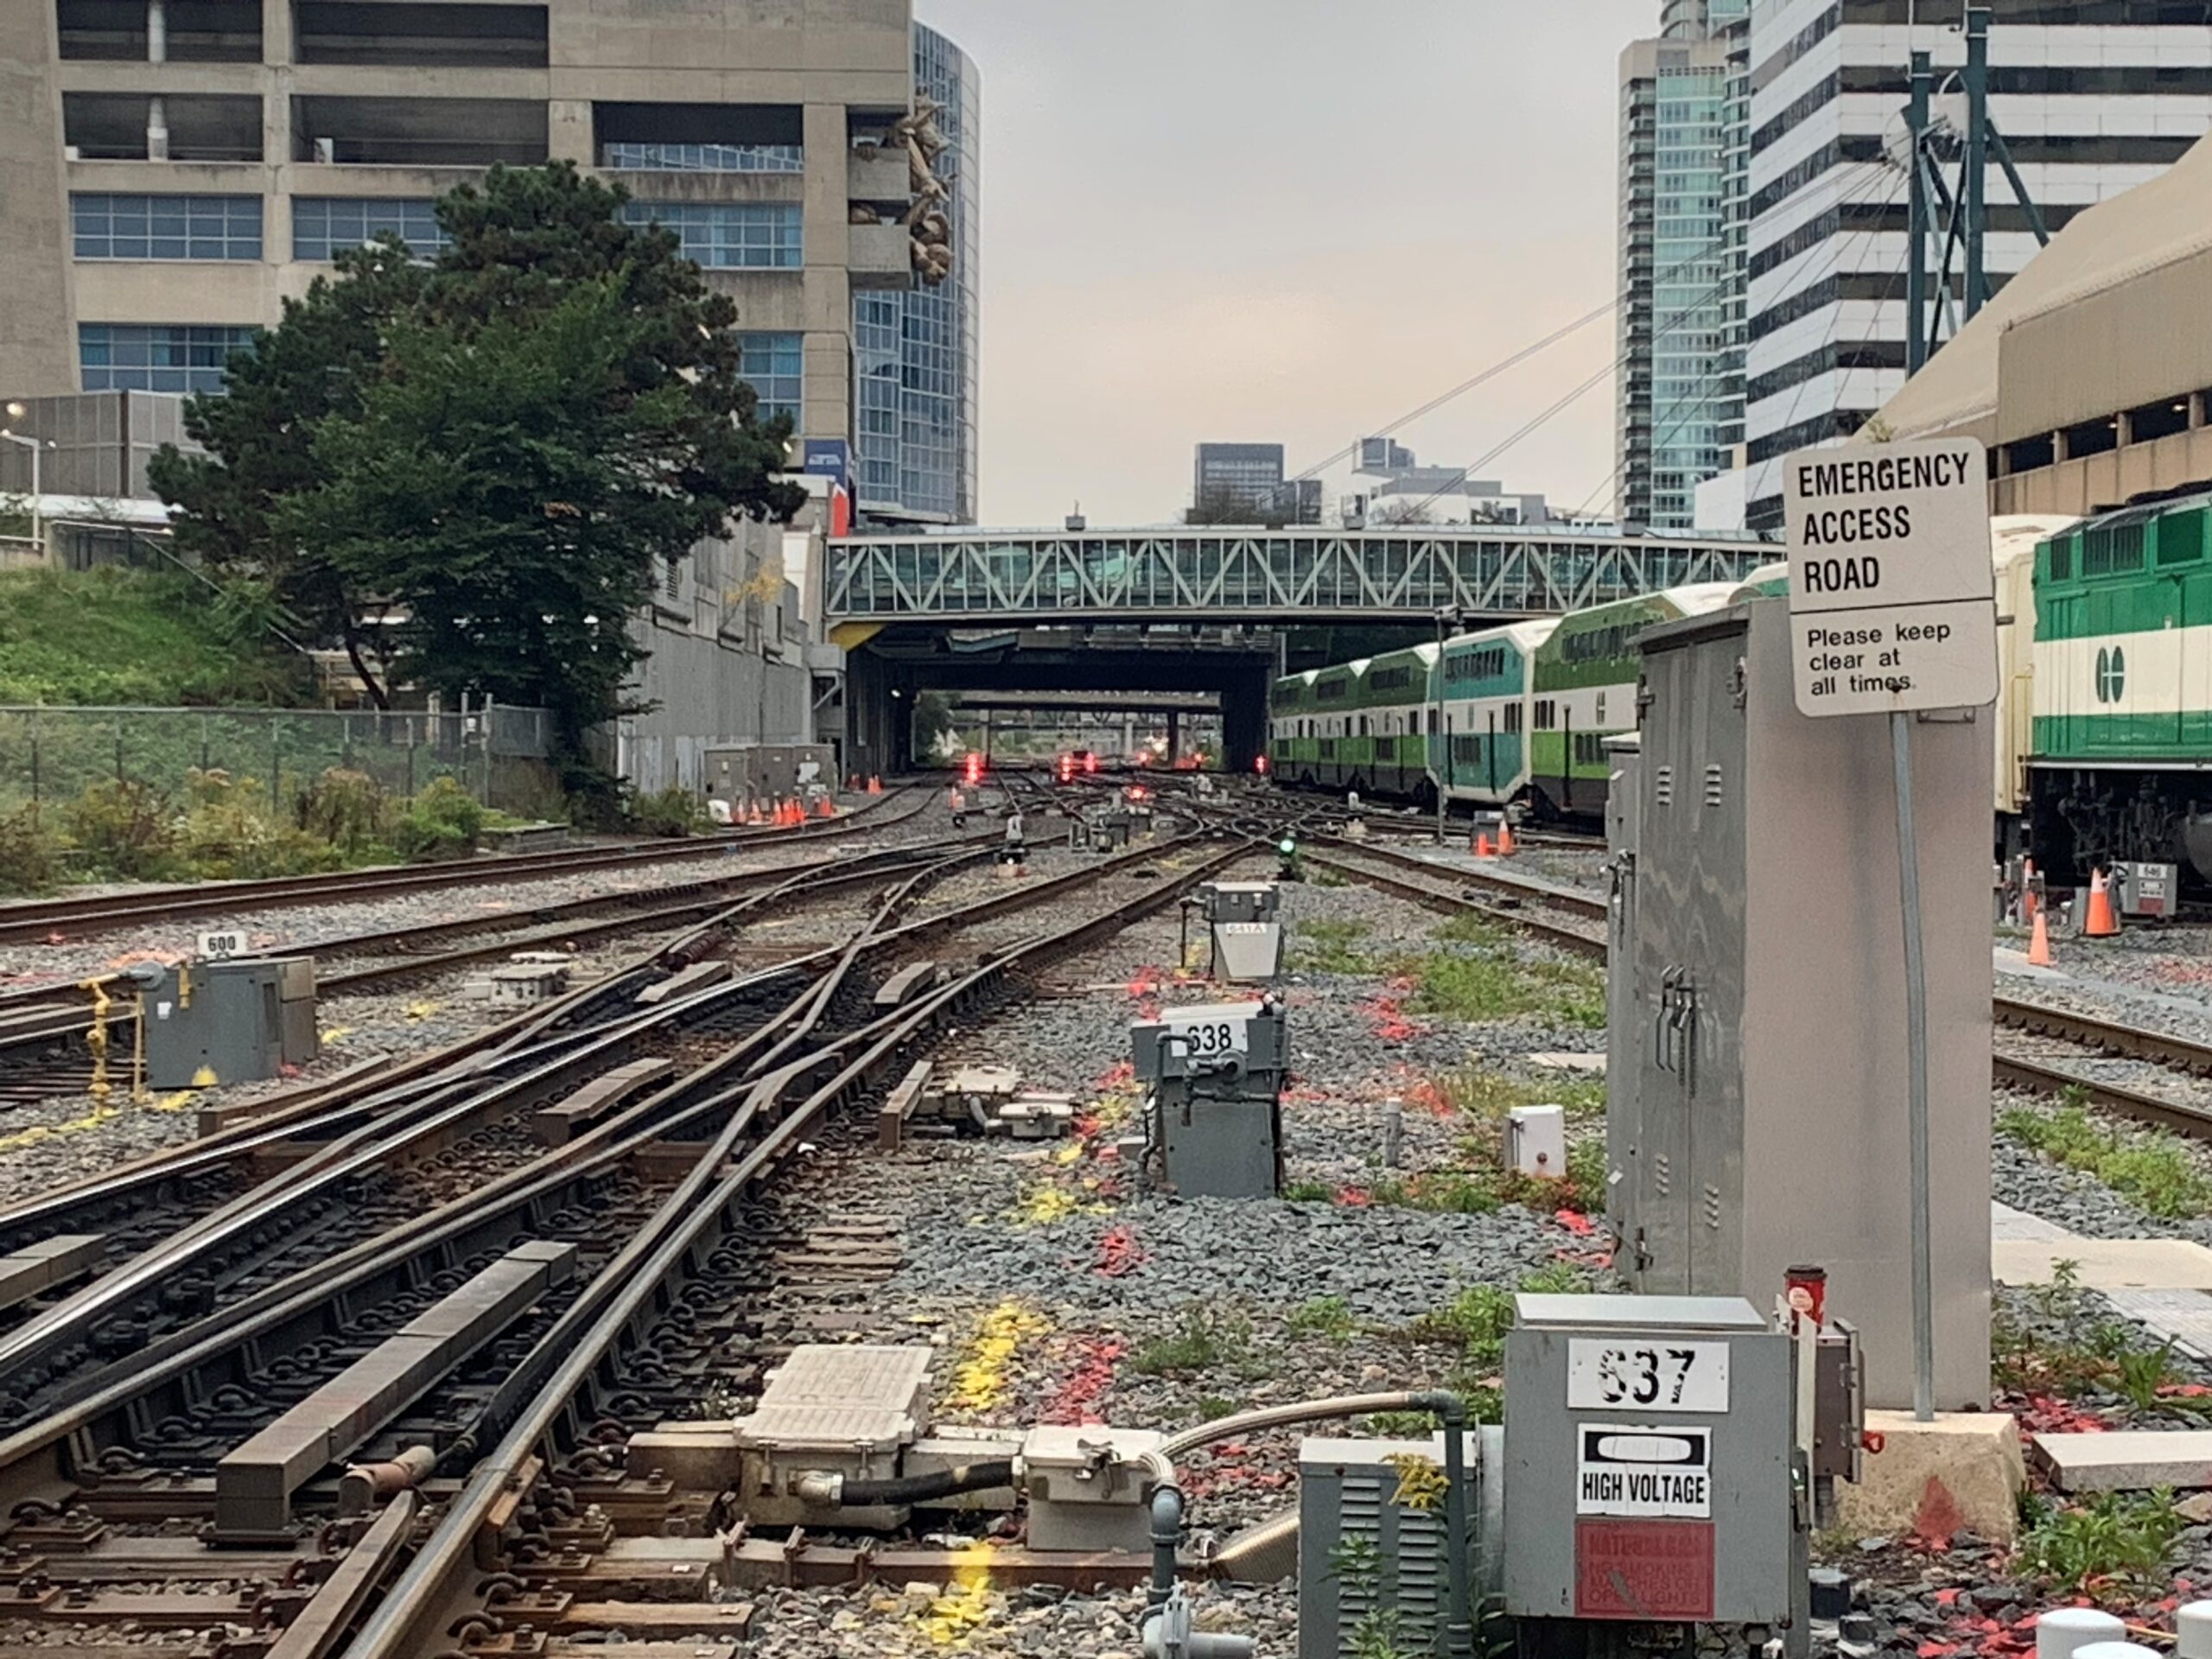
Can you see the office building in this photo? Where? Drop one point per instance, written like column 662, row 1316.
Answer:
column 178, row 168
column 1396, row 489
column 1684, row 99
column 1243, row 483
column 916, row 347
column 2094, row 96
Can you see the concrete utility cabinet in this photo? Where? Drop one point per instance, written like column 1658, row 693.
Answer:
column 216, row 1022
column 1246, row 920
column 1769, row 1118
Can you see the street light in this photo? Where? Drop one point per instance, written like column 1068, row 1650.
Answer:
column 1447, row 622
column 15, row 412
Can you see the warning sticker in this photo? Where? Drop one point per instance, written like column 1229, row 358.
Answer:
column 1643, row 1471
column 1643, row 1569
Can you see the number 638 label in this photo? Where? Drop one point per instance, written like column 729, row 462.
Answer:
column 1649, row 1375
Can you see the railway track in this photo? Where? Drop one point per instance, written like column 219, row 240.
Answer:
column 630, row 1276
column 1551, row 913
column 84, row 915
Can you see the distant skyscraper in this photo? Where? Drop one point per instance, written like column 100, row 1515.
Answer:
column 2093, row 95
column 1244, row 482
column 915, row 348
column 1684, row 140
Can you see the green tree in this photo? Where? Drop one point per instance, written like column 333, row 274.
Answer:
column 505, row 447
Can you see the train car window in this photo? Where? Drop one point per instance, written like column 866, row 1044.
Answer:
column 1547, row 714
column 1601, row 705
column 2180, row 539
column 1512, row 718
column 2062, row 559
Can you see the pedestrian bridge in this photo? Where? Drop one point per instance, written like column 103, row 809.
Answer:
column 972, row 578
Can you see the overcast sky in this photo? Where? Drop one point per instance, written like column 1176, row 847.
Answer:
column 1287, row 220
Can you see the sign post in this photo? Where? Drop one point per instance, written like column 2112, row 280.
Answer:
column 1893, row 610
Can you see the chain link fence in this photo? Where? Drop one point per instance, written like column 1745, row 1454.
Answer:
column 51, row 755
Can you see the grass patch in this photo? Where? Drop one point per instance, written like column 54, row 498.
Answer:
column 1308, row 1192
column 117, row 636
column 1206, row 1341
column 1325, row 1316
column 1467, row 928
column 1489, row 985
column 2116, row 1539
column 2112, row 1358
column 1487, row 1095
column 2152, row 1167
column 1326, row 946
column 1475, row 1322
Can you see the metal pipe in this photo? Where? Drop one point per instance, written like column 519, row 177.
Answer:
column 1977, row 159
column 1916, row 1029
column 1166, row 1534
column 1459, row 1630
column 364, row 1482
column 2003, row 154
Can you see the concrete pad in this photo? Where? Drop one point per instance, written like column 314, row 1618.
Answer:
column 1961, row 1473
column 2016, row 964
column 1561, row 1062
column 2183, row 1317
column 2105, row 1263
column 2016, row 1225
column 2127, row 1460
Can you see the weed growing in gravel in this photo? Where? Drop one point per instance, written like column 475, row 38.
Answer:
column 1308, row 1192
column 1492, row 984
column 1489, row 1096
column 1400, row 1425
column 1328, row 946
column 1325, row 1316
column 1476, row 1320
column 1443, row 1192
column 1212, row 1408
column 1206, row 1341
column 1466, row 928
column 2117, row 1536
column 2151, row 1167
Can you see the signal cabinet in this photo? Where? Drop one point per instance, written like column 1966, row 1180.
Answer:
column 1623, row 1006
column 1768, row 1082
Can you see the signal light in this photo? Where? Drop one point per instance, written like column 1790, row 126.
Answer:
column 1260, row 765
column 975, row 768
column 1090, row 763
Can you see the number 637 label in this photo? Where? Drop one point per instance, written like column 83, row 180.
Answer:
column 1649, row 1375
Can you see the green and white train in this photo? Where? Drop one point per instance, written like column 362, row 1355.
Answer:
column 1512, row 714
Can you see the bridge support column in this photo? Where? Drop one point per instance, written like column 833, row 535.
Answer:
column 878, row 726
column 1245, row 719
column 1175, row 736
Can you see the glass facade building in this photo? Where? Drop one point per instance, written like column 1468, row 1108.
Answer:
column 915, row 349
column 1685, row 142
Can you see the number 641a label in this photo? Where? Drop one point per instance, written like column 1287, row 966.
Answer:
column 1650, row 1374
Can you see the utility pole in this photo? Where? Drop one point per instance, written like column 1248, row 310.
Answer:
column 1977, row 163
column 1916, row 337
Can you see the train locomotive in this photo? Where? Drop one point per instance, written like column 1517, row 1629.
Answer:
column 2103, row 750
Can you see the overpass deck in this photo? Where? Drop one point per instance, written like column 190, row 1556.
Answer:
column 1309, row 577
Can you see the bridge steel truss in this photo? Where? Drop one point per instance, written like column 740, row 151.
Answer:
column 1309, row 576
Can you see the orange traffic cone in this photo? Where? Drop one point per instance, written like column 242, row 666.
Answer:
column 825, row 808
column 875, row 785
column 2028, row 905
column 2102, row 922
column 2039, row 944
column 1504, row 838
column 1482, row 845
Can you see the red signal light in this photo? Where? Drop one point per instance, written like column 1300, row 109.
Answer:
column 1260, row 765
column 1090, row 763
column 975, row 768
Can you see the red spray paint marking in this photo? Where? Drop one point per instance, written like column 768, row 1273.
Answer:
column 1078, row 1400
column 1119, row 1253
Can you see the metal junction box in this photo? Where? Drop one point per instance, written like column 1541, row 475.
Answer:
column 1364, row 1548
column 1647, row 1462
column 1245, row 918
column 1216, row 1070
column 1625, row 1023
column 1765, row 1115
column 1090, row 1488
column 242, row 1022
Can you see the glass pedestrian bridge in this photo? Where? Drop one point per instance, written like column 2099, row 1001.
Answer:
column 967, row 578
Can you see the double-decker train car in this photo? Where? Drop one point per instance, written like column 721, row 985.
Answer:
column 1584, row 691
column 1484, row 761
column 1358, row 726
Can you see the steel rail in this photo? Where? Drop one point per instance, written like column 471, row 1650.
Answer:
column 408, row 1622
column 85, row 915
column 36, row 1457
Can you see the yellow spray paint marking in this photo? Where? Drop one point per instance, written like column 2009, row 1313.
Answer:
column 180, row 1100
column 332, row 1035
column 967, row 1604
column 1045, row 1204
column 420, row 1011
column 1071, row 1154
column 979, row 1381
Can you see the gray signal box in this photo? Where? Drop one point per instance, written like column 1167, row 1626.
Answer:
column 1245, row 918
column 1766, row 1105
column 1624, row 1026
column 218, row 1022
column 1648, row 1462
column 1214, row 1127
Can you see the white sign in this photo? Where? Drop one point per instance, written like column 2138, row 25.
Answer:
column 230, row 942
column 1205, row 1037
column 1892, row 594
column 1647, row 1375
column 1643, row 1471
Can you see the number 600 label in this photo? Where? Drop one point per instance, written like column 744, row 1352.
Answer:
column 1650, row 1374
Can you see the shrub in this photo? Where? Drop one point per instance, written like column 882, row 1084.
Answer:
column 672, row 811
column 228, row 832
column 442, row 821
column 30, row 854
column 348, row 809
column 126, row 831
